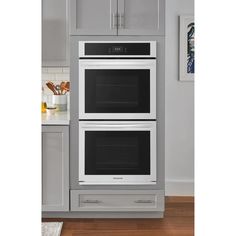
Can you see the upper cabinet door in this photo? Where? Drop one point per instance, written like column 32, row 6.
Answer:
column 55, row 33
column 141, row 17
column 93, row 17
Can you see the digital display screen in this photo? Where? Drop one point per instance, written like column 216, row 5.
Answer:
column 117, row 49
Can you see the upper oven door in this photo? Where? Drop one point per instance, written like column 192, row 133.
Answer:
column 117, row 89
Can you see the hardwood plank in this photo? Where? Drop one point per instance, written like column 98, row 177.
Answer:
column 176, row 199
column 178, row 221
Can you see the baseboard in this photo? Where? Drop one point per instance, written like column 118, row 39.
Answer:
column 103, row 215
column 179, row 188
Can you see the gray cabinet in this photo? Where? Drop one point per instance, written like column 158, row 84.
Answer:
column 141, row 17
column 55, row 33
column 55, row 168
column 117, row 17
column 93, row 17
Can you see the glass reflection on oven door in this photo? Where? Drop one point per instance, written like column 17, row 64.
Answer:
column 117, row 91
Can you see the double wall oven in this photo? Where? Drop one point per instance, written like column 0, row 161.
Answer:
column 117, row 112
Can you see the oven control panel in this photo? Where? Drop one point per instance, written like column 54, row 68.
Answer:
column 109, row 49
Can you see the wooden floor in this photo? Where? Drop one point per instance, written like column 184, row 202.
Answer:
column 178, row 221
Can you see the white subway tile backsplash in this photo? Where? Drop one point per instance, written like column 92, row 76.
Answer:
column 55, row 73
column 66, row 70
column 55, row 70
column 48, row 76
column 44, row 69
column 62, row 77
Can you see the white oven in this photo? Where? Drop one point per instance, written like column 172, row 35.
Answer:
column 117, row 80
column 117, row 153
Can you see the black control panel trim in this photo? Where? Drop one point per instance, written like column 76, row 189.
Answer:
column 132, row 49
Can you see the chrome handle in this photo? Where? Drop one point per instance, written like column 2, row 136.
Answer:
column 143, row 201
column 113, row 20
column 121, row 20
column 137, row 62
column 92, row 201
column 116, row 126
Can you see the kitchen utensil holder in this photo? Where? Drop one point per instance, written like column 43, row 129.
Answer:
column 60, row 102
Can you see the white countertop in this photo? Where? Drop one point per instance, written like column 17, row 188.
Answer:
column 60, row 118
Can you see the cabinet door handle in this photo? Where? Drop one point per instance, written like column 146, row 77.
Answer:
column 143, row 201
column 92, row 201
column 121, row 20
column 113, row 20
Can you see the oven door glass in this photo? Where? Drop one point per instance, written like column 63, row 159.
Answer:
column 117, row 152
column 117, row 89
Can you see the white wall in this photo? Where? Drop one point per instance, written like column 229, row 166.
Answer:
column 179, row 108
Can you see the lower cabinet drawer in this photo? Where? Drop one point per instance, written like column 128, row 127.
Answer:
column 117, row 200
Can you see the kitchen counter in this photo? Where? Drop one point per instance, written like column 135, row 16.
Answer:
column 60, row 118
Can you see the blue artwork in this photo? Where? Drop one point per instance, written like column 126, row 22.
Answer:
column 190, row 49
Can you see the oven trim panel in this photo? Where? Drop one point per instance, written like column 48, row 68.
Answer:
column 160, row 111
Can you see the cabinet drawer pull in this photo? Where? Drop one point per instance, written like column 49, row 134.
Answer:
column 92, row 201
column 143, row 201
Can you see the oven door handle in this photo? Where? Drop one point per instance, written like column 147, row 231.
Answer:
column 117, row 126
column 117, row 63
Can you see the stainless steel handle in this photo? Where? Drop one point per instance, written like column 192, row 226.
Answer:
column 116, row 126
column 121, row 20
column 147, row 62
column 143, row 201
column 92, row 201
column 113, row 20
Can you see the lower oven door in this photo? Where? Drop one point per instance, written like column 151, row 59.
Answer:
column 112, row 152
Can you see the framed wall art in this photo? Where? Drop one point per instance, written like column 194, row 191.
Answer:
column 186, row 48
